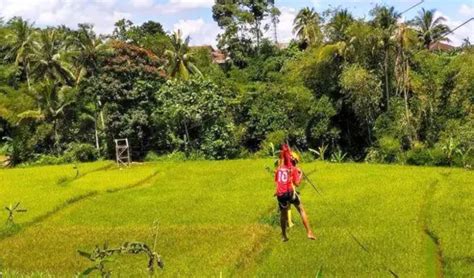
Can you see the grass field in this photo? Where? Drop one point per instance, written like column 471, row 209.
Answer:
column 220, row 218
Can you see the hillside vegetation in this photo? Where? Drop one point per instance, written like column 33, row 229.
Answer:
column 378, row 88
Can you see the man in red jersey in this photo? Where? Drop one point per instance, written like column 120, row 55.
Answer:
column 287, row 176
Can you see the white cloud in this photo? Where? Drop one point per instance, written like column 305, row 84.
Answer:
column 466, row 10
column 142, row 3
column 200, row 31
column 175, row 6
column 285, row 27
column 102, row 13
column 466, row 31
column 191, row 4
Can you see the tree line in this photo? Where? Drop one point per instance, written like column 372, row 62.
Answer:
column 374, row 89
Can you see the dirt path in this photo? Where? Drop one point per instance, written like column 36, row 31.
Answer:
column 433, row 250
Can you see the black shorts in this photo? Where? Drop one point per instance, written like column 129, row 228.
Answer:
column 288, row 198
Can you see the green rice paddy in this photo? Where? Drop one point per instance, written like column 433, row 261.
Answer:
column 221, row 219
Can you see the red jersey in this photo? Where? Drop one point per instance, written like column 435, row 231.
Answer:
column 285, row 178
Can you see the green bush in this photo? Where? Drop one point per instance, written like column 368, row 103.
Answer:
column 419, row 155
column 219, row 142
column 439, row 157
column 152, row 156
column 390, row 149
column 81, row 152
column 46, row 159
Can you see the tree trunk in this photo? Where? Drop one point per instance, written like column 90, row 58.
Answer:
column 97, row 146
column 186, row 139
column 56, row 136
column 387, row 93
column 257, row 30
column 28, row 77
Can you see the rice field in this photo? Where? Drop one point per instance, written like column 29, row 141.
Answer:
column 221, row 219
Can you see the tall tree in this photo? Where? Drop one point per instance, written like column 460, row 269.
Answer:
column 275, row 14
column 338, row 24
column 306, row 26
column 238, row 19
column 253, row 13
column 86, row 48
column 19, row 44
column 152, row 28
column 49, row 58
column 405, row 40
column 430, row 28
column 180, row 60
column 385, row 19
column 122, row 29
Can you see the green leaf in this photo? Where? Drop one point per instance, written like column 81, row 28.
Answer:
column 84, row 254
column 88, row 271
column 320, row 273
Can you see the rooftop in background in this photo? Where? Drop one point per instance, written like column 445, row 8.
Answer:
column 283, row 45
column 439, row 46
column 217, row 56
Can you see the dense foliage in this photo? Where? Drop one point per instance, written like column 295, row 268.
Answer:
column 364, row 89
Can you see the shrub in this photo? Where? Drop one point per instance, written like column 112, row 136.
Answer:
column 81, row 152
column 46, row 159
column 439, row 157
column 219, row 142
column 152, row 156
column 390, row 149
column 419, row 155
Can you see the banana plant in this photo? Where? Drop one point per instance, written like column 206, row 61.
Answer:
column 338, row 156
column 320, row 152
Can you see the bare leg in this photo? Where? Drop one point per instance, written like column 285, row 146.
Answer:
column 284, row 223
column 304, row 217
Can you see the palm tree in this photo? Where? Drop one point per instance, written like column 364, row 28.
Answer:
column 386, row 20
column 85, row 50
column 180, row 61
column 338, row 25
column 19, row 43
column 306, row 26
column 430, row 29
column 48, row 58
column 405, row 39
column 52, row 98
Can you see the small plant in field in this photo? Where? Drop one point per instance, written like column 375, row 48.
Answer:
column 338, row 157
column 100, row 256
column 320, row 152
column 320, row 273
column 65, row 179
column 12, row 210
column 75, row 167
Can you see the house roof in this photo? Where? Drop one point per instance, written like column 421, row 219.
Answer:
column 217, row 56
column 440, row 46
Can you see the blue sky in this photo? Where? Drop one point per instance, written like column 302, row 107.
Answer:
column 194, row 17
